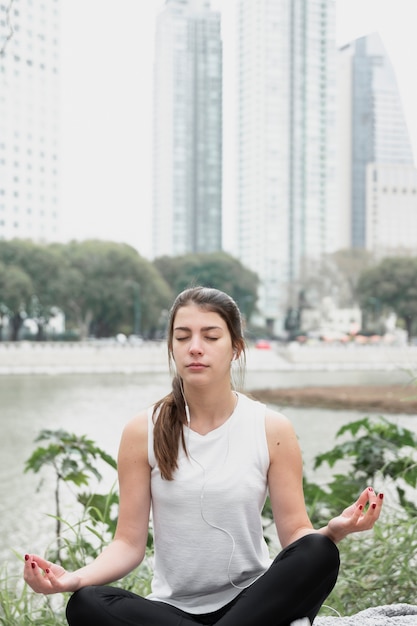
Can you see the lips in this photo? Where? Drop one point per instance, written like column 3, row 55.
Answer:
column 196, row 366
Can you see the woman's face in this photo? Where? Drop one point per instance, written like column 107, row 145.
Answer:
column 201, row 345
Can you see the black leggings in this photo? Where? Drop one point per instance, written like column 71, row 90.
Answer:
column 295, row 586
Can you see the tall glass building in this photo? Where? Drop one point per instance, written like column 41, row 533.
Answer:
column 375, row 120
column 187, row 172
column 286, row 144
column 29, row 120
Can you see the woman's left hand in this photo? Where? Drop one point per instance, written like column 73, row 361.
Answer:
column 360, row 516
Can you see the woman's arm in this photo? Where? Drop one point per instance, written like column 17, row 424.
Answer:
column 128, row 547
column 285, row 482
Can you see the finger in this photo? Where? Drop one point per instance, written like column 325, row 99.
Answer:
column 373, row 512
column 366, row 496
column 55, row 584
column 41, row 562
column 34, row 577
column 375, row 506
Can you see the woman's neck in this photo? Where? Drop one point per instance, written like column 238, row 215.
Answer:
column 207, row 413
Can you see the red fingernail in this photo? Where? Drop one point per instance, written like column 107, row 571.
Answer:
column 47, row 570
column 374, row 506
column 360, row 507
column 27, row 557
column 381, row 495
column 33, row 565
column 370, row 489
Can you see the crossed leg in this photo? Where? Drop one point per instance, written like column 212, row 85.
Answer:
column 295, row 586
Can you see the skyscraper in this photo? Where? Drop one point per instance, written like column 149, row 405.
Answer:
column 29, row 120
column 391, row 209
column 373, row 118
column 286, row 144
column 187, row 172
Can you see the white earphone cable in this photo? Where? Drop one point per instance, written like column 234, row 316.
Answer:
column 205, row 479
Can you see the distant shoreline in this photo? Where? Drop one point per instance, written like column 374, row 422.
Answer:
column 372, row 398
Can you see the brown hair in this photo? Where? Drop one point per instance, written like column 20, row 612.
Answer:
column 168, row 429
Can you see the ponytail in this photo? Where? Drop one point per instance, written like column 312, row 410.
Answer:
column 169, row 418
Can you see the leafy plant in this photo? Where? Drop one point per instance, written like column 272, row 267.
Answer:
column 19, row 605
column 378, row 451
column 73, row 460
column 378, row 566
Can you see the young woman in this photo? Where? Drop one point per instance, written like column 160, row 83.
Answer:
column 202, row 461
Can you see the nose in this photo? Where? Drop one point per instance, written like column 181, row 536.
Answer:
column 195, row 346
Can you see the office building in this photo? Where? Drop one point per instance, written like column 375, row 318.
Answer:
column 187, row 160
column 286, row 144
column 29, row 120
column 391, row 209
column 372, row 130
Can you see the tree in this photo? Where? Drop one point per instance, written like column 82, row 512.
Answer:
column 15, row 292
column 218, row 270
column 335, row 275
column 392, row 285
column 107, row 286
column 45, row 278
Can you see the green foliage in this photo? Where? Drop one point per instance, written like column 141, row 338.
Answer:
column 70, row 455
column 104, row 288
column 108, row 282
column 338, row 272
column 392, row 285
column 15, row 293
column 20, row 606
column 218, row 270
column 378, row 566
column 73, row 460
column 42, row 278
column 378, row 450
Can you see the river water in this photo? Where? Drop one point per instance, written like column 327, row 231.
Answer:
column 98, row 405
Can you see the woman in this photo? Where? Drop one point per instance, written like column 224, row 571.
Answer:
column 203, row 459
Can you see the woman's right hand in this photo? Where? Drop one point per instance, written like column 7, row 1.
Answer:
column 46, row 577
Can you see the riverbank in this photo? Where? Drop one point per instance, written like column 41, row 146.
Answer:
column 380, row 399
column 370, row 379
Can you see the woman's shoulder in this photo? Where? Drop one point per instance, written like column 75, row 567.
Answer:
column 135, row 432
column 277, row 423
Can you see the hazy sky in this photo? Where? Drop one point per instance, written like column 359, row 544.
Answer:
column 106, row 75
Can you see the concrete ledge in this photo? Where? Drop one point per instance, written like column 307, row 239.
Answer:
column 265, row 368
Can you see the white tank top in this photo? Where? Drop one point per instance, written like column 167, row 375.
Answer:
column 208, row 535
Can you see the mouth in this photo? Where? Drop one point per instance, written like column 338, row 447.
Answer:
column 196, row 366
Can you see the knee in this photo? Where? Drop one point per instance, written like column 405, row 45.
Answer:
column 322, row 549
column 79, row 606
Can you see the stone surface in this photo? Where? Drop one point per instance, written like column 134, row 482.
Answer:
column 388, row 615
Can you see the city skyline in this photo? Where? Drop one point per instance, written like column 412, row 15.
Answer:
column 107, row 106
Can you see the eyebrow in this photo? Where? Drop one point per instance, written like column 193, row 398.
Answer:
column 205, row 328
